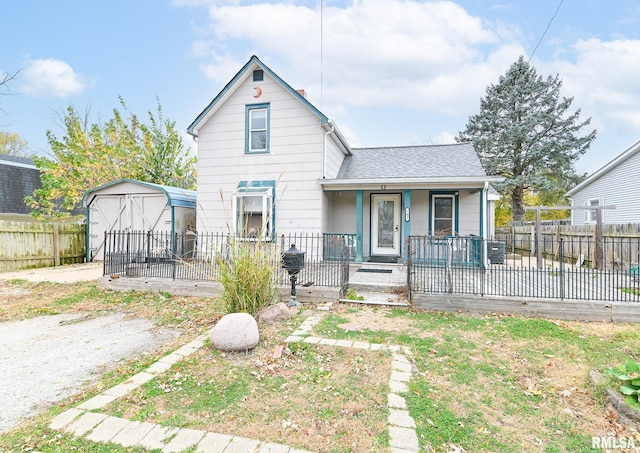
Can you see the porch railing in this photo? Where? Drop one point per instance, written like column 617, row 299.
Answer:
column 197, row 256
column 562, row 269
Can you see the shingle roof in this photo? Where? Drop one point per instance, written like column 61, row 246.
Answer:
column 18, row 178
column 427, row 161
column 7, row 159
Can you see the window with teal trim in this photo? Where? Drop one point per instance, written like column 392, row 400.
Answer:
column 257, row 128
column 253, row 209
column 443, row 214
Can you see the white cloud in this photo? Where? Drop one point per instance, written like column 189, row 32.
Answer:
column 421, row 55
column 603, row 79
column 430, row 60
column 51, row 77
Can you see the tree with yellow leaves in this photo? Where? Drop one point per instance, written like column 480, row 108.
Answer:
column 89, row 156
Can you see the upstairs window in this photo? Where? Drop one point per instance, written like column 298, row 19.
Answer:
column 258, row 75
column 257, row 128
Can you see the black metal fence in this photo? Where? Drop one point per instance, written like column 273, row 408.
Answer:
column 560, row 269
column 197, row 256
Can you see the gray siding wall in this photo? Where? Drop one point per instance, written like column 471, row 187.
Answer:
column 620, row 186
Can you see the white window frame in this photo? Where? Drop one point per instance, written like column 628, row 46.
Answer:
column 266, row 193
column 251, row 110
column 591, row 215
column 453, row 212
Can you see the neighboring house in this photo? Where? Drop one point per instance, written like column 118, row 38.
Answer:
column 130, row 205
column 269, row 163
column 19, row 177
column 615, row 184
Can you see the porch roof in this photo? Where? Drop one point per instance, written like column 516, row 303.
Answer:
column 455, row 163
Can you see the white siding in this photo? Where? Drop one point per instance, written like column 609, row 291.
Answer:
column 334, row 157
column 620, row 187
column 468, row 213
column 341, row 212
column 295, row 160
column 420, row 212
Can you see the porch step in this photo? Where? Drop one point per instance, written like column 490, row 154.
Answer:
column 377, row 277
column 383, row 287
column 375, row 302
column 378, row 298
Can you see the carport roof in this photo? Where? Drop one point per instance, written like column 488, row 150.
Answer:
column 175, row 196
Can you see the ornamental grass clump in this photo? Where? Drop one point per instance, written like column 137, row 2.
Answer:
column 246, row 274
column 629, row 375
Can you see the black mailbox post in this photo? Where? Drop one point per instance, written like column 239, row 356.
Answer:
column 293, row 261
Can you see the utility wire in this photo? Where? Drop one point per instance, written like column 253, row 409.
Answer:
column 546, row 30
column 321, row 52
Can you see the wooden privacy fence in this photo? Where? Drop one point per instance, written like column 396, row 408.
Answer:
column 619, row 244
column 29, row 243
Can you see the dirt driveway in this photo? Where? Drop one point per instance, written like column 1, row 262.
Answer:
column 48, row 358
column 62, row 274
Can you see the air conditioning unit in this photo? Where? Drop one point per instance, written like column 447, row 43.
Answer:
column 496, row 252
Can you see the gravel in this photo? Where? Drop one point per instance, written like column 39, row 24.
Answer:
column 46, row 359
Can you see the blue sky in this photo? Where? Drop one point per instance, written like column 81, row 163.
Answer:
column 387, row 72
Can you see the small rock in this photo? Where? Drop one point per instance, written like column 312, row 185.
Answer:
column 235, row 332
column 274, row 314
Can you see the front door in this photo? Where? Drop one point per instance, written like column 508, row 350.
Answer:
column 385, row 224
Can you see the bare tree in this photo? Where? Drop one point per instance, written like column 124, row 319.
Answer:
column 5, row 78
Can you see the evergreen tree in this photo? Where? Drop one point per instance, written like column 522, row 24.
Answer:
column 525, row 133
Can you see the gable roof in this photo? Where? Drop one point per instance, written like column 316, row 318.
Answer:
column 242, row 75
column 454, row 162
column 175, row 195
column 626, row 155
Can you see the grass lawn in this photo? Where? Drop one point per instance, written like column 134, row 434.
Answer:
column 492, row 383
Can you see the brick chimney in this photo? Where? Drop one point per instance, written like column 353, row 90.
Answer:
column 302, row 93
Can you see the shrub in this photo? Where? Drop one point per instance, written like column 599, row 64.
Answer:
column 629, row 374
column 246, row 275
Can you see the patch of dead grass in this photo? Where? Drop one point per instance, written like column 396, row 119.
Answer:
column 313, row 397
column 23, row 299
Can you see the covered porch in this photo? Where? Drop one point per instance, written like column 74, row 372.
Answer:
column 377, row 219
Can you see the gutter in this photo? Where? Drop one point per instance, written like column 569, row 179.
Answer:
column 449, row 181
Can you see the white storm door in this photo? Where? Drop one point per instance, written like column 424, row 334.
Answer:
column 385, row 224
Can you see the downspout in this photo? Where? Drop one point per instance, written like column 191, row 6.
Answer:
column 485, row 224
column 324, row 154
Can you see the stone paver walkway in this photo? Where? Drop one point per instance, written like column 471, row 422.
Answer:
column 86, row 420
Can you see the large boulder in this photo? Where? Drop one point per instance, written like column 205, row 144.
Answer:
column 235, row 332
column 274, row 314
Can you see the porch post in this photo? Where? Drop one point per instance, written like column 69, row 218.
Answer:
column 484, row 225
column 482, row 208
column 359, row 235
column 407, row 225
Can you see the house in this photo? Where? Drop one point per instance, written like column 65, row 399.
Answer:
column 269, row 162
column 130, row 205
column 19, row 177
column 615, row 184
